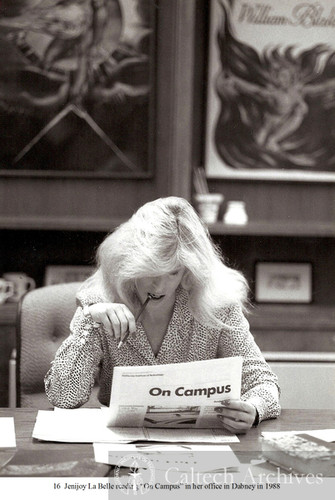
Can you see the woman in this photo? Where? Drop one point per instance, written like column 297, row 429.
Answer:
column 195, row 313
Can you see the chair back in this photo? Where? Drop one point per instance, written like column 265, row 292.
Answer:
column 43, row 323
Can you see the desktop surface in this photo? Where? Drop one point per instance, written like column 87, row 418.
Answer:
column 248, row 448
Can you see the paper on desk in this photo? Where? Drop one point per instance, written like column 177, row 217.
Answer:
column 324, row 434
column 83, row 425
column 88, row 425
column 327, row 435
column 203, row 458
column 7, row 432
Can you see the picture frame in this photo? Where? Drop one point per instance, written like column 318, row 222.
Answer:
column 77, row 89
column 265, row 119
column 54, row 274
column 283, row 282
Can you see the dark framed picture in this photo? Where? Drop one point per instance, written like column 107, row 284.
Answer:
column 270, row 97
column 77, row 88
column 283, row 282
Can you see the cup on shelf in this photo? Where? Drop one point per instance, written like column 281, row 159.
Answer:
column 21, row 284
column 236, row 213
column 6, row 290
column 208, row 206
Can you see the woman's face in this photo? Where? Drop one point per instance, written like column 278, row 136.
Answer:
column 162, row 287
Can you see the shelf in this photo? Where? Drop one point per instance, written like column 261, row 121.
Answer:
column 299, row 357
column 276, row 228
column 61, row 223
column 260, row 228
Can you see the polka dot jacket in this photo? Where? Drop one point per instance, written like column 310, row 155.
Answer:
column 89, row 354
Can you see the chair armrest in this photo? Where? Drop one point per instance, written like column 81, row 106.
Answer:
column 12, row 380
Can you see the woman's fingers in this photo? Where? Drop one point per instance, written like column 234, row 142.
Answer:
column 117, row 319
column 237, row 404
column 234, row 427
column 122, row 320
column 237, row 414
column 130, row 320
column 130, row 325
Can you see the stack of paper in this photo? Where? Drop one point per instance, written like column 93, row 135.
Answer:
column 309, row 452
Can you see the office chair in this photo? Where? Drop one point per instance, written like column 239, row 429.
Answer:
column 43, row 321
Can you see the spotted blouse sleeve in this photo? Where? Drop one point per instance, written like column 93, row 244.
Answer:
column 259, row 383
column 69, row 382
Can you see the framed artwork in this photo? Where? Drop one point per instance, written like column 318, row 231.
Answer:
column 271, row 90
column 66, row 274
column 283, row 282
column 77, row 88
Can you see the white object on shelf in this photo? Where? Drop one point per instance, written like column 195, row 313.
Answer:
column 22, row 284
column 236, row 213
column 208, row 206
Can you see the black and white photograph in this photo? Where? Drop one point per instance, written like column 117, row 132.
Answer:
column 167, row 246
column 183, row 416
column 283, row 282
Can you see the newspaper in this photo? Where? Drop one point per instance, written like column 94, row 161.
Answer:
column 181, row 395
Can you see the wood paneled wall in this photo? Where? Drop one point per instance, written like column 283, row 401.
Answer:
column 95, row 205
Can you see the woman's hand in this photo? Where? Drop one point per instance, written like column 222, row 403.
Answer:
column 236, row 416
column 116, row 318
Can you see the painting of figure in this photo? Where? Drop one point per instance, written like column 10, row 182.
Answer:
column 75, row 86
column 272, row 90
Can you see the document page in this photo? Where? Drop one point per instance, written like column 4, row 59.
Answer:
column 7, row 432
column 181, row 395
column 80, row 425
column 204, row 457
column 88, row 425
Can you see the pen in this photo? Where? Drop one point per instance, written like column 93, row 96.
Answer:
column 286, row 468
column 137, row 317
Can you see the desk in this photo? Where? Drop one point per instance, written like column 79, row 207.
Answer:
column 24, row 420
column 289, row 420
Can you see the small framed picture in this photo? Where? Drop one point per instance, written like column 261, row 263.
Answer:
column 66, row 274
column 283, row 282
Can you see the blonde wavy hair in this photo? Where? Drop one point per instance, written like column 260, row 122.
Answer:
column 159, row 238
